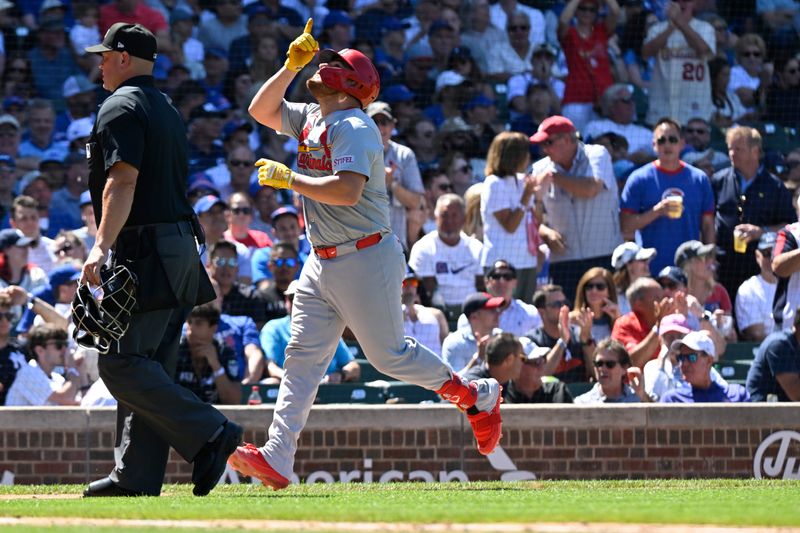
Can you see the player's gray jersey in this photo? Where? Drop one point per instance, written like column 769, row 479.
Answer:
column 344, row 140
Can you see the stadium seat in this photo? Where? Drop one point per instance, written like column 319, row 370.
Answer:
column 740, row 350
column 269, row 393
column 401, row 392
column 349, row 393
column 578, row 388
column 734, row 370
column 370, row 373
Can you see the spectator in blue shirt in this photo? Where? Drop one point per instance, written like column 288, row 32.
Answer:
column 776, row 368
column 696, row 355
column 275, row 337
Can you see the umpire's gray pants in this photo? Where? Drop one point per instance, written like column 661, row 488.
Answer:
column 362, row 291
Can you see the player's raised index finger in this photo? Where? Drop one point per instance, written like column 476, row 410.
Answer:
column 309, row 25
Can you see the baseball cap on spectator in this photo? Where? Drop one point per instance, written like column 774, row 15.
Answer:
column 47, row 5
column 13, row 237
column 379, row 108
column 419, row 51
column 135, row 39
column 14, row 100
column 203, row 184
column 76, row 85
column 480, row 100
column 453, row 125
column 397, row 93
column 545, row 48
column 501, row 266
column 438, row 25
column 674, row 274
column 281, row 211
column 691, row 249
column 533, row 352
column 79, row 128
column 10, row 120
column 216, row 52
column 205, row 111
column 179, row 14
column 52, row 156
column 7, row 160
column 630, row 251
column 552, row 126
column 767, row 240
column 61, row 275
column 448, row 78
column 334, row 17
column 460, row 52
column 393, row 24
column 291, row 290
column 205, row 203
column 86, row 198
column 481, row 300
column 232, row 127
column 698, row 341
column 674, row 323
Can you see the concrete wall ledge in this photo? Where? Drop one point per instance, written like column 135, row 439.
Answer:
column 705, row 416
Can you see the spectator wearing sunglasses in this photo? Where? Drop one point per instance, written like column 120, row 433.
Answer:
column 681, row 46
column 284, row 265
column 275, row 336
column 239, row 217
column 516, row 316
column 235, row 173
column 403, row 180
column 617, row 380
column 596, row 293
column 426, row 324
column 210, row 211
column 286, row 227
column 783, row 96
column 436, row 183
column 238, row 299
column 52, row 302
column 751, row 75
column 668, row 201
column 696, row 355
column 755, row 296
column 698, row 151
column 579, row 190
column 528, row 386
column 37, row 383
column 750, row 201
column 571, row 347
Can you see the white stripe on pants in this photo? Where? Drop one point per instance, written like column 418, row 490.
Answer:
column 361, row 290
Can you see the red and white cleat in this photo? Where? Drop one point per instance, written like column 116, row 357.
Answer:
column 249, row 461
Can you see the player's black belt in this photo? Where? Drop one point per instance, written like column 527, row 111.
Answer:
column 162, row 229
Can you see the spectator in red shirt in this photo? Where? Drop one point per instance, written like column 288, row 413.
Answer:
column 239, row 217
column 638, row 330
column 585, row 45
column 136, row 12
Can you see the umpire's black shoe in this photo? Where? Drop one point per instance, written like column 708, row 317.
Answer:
column 106, row 487
column 209, row 464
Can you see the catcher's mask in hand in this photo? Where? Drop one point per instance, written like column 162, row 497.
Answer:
column 99, row 322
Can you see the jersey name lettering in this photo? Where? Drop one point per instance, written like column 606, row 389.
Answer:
column 308, row 162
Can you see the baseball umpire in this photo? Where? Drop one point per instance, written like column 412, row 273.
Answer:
column 137, row 179
column 354, row 277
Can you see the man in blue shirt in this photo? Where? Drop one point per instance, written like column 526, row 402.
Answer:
column 776, row 368
column 275, row 337
column 668, row 201
column 696, row 355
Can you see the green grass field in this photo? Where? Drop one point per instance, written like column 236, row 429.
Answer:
column 720, row 502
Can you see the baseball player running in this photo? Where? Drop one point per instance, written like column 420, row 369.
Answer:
column 354, row 277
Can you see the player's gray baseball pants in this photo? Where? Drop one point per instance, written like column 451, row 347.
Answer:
column 360, row 290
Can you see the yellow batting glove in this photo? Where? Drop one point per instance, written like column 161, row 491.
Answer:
column 302, row 49
column 274, row 174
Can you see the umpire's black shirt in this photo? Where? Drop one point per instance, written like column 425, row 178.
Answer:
column 137, row 124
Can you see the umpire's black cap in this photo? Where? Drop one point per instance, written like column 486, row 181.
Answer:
column 135, row 39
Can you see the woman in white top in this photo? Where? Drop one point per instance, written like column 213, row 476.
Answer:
column 630, row 262
column 507, row 209
column 750, row 74
column 427, row 325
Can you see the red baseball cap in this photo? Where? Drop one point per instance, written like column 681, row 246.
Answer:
column 552, row 126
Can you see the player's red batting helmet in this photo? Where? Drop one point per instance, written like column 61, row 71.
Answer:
column 362, row 82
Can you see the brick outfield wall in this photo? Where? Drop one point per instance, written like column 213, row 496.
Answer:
column 65, row 445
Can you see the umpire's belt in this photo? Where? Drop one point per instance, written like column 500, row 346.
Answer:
column 162, row 229
column 331, row 252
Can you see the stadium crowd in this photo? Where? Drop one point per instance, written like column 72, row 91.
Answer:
column 588, row 191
